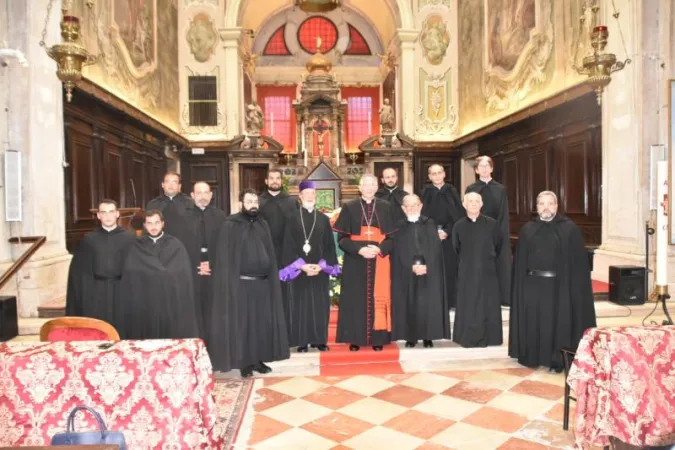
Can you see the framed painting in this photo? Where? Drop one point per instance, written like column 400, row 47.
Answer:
column 671, row 157
column 325, row 198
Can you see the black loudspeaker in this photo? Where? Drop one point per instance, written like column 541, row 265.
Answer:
column 9, row 322
column 627, row 285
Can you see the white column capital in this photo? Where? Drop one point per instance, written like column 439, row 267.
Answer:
column 407, row 36
column 230, row 36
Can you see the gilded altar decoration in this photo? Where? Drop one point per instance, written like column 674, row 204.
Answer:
column 519, row 44
column 434, row 39
column 202, row 37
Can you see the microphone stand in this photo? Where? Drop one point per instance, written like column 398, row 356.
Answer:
column 662, row 294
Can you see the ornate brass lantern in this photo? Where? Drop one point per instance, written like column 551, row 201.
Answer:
column 317, row 6
column 599, row 65
column 70, row 55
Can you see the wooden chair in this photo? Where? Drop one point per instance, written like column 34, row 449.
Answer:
column 77, row 329
column 568, row 357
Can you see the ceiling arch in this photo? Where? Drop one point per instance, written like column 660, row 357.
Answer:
column 245, row 14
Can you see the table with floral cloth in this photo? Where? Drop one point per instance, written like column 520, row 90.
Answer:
column 624, row 381
column 157, row 392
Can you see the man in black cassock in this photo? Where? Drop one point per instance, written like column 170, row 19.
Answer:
column 308, row 259
column 484, row 261
column 96, row 267
column 156, row 293
column 419, row 305
column 552, row 298
column 495, row 204
column 203, row 222
column 173, row 204
column 442, row 205
column 391, row 192
column 365, row 295
column 273, row 207
column 246, row 325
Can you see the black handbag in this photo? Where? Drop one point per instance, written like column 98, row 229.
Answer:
column 103, row 436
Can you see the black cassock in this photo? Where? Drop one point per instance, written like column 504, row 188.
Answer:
column 173, row 210
column 156, row 291
column 201, row 241
column 445, row 208
column 95, row 274
column 419, row 304
column 357, row 302
column 307, row 300
column 395, row 198
column 484, row 261
column 548, row 313
column 274, row 208
column 246, row 323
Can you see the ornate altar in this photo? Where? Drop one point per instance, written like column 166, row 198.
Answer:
column 321, row 114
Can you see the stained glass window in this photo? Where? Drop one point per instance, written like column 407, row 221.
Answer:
column 315, row 27
column 277, row 45
column 277, row 105
column 362, row 114
column 357, row 44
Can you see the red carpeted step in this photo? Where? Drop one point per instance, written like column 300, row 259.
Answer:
column 599, row 286
column 340, row 361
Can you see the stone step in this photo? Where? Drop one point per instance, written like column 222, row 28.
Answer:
column 52, row 308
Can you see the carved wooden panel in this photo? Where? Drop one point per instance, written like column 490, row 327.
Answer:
column 252, row 176
column 450, row 161
column 211, row 168
column 558, row 150
column 109, row 155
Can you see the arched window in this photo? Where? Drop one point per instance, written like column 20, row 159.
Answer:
column 277, row 44
column 313, row 28
column 357, row 44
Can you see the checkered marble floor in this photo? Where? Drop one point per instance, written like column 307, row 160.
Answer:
column 485, row 409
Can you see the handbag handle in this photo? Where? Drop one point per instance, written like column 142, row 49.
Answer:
column 71, row 419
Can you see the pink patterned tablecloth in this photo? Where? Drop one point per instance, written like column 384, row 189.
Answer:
column 624, row 380
column 157, row 392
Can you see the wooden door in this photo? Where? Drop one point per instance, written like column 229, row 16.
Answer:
column 212, row 169
column 252, row 176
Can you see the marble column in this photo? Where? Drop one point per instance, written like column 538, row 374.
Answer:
column 408, row 77
column 232, row 82
column 632, row 107
column 32, row 123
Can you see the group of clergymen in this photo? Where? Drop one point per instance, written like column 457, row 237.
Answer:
column 256, row 283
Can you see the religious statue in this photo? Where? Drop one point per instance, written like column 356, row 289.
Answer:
column 386, row 117
column 254, row 119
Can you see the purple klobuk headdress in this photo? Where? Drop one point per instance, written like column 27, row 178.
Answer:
column 307, row 184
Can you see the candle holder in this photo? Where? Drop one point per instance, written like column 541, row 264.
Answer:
column 663, row 296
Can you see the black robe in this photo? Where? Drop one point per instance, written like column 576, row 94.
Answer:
column 307, row 302
column 357, row 303
column 273, row 208
column 484, row 260
column 173, row 211
column 419, row 305
column 395, row 198
column 156, row 291
column 549, row 313
column 246, row 323
column 495, row 205
column 95, row 274
column 445, row 208
column 202, row 228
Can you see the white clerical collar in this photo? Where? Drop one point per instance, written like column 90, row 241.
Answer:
column 473, row 219
column 155, row 239
column 547, row 220
column 367, row 201
column 201, row 207
column 391, row 191
column 413, row 219
column 273, row 193
column 171, row 197
column 109, row 229
column 309, row 210
column 486, row 181
column 439, row 187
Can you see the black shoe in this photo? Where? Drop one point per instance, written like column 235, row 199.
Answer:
column 354, row 348
column 302, row 349
column 246, row 372
column 410, row 344
column 321, row 347
column 377, row 348
column 262, row 368
column 428, row 344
